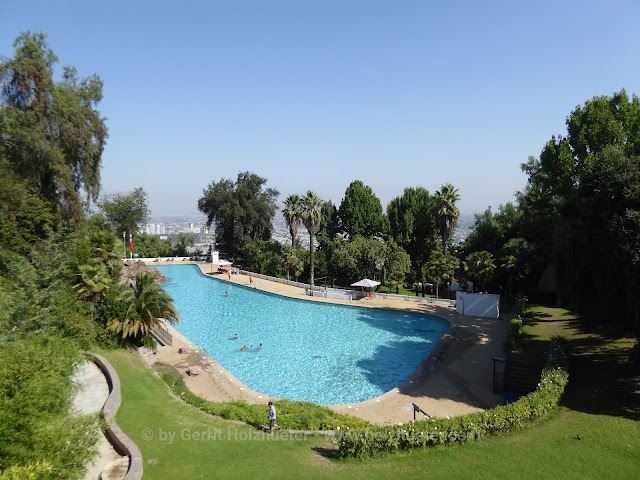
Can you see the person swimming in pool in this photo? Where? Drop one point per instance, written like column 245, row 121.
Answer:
column 235, row 336
column 244, row 347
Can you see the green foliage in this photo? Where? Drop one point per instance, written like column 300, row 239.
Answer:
column 93, row 283
column 150, row 246
column 262, row 256
column 35, row 425
column 242, row 210
column 312, row 221
column 361, row 213
column 291, row 262
column 329, row 225
column 480, row 267
column 520, row 306
column 448, row 431
column 441, row 268
column 25, row 217
column 147, row 303
column 582, row 205
column 397, row 262
column 412, row 224
column 30, row 471
column 515, row 335
column 54, row 133
column 127, row 212
column 447, row 213
column 292, row 213
column 291, row 415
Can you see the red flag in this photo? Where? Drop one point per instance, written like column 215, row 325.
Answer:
column 130, row 242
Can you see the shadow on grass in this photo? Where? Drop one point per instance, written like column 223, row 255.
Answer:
column 601, row 379
column 326, row 452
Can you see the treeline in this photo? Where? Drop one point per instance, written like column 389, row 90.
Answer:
column 571, row 236
column 61, row 288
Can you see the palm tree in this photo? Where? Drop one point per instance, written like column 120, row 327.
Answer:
column 104, row 245
column 447, row 214
column 93, row 284
column 509, row 263
column 147, row 304
column 289, row 259
column 312, row 218
column 480, row 266
column 441, row 268
column 293, row 210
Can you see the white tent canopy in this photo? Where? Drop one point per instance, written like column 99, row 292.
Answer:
column 365, row 282
column 223, row 263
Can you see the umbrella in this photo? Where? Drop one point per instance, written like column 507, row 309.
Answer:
column 365, row 282
column 223, row 263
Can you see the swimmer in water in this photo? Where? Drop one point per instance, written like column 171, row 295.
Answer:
column 244, row 347
column 235, row 337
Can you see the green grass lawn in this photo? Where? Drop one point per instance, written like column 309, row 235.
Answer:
column 179, row 441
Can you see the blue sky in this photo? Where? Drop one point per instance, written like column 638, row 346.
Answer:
column 316, row 94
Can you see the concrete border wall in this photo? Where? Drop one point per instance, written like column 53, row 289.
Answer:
column 121, row 443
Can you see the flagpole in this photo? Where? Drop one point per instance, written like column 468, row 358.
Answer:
column 124, row 245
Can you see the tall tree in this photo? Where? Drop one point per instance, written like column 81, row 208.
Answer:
column 52, row 133
column 396, row 262
column 128, row 212
column 242, row 210
column 361, row 212
column 330, row 225
column 292, row 213
column 581, row 203
column 412, row 225
column 447, row 214
column 312, row 219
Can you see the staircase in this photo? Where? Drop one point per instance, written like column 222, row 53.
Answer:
column 522, row 373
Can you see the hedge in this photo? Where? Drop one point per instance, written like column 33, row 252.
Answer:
column 439, row 431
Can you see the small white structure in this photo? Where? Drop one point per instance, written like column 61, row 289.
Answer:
column 458, row 287
column 478, row 304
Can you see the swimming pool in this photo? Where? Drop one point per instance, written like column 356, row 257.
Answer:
column 316, row 352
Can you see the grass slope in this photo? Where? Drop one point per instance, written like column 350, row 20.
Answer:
column 179, row 441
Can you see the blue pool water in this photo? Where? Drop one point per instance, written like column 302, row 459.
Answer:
column 316, row 352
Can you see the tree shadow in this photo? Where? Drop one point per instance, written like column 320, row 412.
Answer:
column 601, row 379
column 329, row 453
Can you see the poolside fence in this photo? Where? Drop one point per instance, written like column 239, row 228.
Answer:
column 345, row 294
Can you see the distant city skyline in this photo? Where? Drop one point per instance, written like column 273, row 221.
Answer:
column 314, row 95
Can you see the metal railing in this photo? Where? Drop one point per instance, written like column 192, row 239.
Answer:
column 342, row 293
column 162, row 334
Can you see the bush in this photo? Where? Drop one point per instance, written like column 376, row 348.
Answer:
column 515, row 337
column 474, row 426
column 291, row 415
column 35, row 424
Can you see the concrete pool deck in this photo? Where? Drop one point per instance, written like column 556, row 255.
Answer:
column 456, row 378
